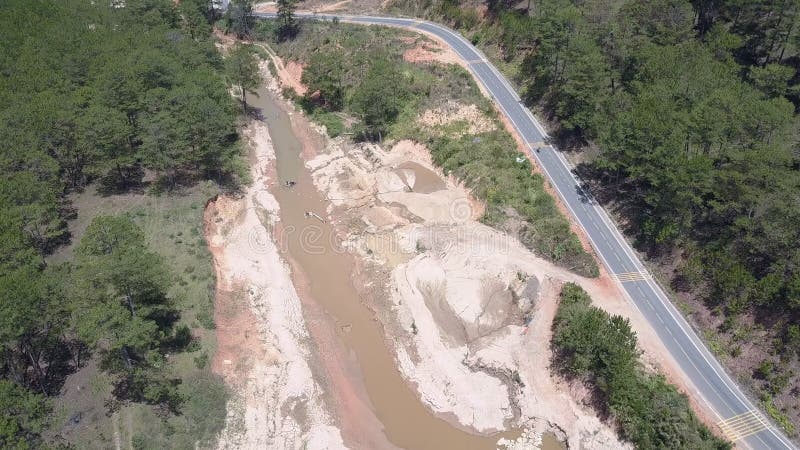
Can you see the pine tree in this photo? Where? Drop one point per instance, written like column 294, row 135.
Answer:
column 241, row 18
column 242, row 70
column 287, row 24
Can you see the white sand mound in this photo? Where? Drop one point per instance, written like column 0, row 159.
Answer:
column 469, row 308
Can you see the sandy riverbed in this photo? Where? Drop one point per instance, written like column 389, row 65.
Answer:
column 263, row 340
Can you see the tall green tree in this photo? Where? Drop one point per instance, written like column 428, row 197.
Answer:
column 104, row 143
column 16, row 248
column 380, row 97
column 37, row 203
column 33, row 320
column 197, row 16
column 23, row 416
column 555, row 23
column 124, row 306
column 287, row 23
column 121, row 309
column 113, row 252
column 324, row 78
column 768, row 28
column 240, row 18
column 772, row 79
column 242, row 70
column 584, row 87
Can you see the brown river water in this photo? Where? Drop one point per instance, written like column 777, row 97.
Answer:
column 310, row 244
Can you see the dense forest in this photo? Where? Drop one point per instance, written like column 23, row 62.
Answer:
column 683, row 115
column 124, row 98
column 694, row 117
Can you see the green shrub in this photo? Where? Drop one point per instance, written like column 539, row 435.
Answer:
column 265, row 30
column 487, row 162
column 589, row 344
column 201, row 360
column 205, row 406
column 776, row 414
column 380, row 97
column 332, row 122
column 289, row 93
column 24, row 416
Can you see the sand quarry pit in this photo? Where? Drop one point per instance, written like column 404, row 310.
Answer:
column 468, row 310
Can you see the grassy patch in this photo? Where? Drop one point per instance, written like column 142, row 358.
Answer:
column 776, row 414
column 347, row 37
column 203, row 415
column 488, row 163
column 173, row 225
column 332, row 122
column 174, row 228
column 714, row 343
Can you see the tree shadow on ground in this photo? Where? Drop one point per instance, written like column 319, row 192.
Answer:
column 122, row 180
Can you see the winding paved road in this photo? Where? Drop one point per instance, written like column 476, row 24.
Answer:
column 739, row 419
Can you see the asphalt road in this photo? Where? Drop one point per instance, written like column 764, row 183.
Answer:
column 739, row 419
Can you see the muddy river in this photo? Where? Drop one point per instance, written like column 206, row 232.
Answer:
column 308, row 239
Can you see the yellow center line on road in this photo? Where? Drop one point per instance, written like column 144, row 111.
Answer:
column 737, row 418
column 742, row 425
column 630, row 276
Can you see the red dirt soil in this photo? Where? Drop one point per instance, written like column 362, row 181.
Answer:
column 236, row 326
